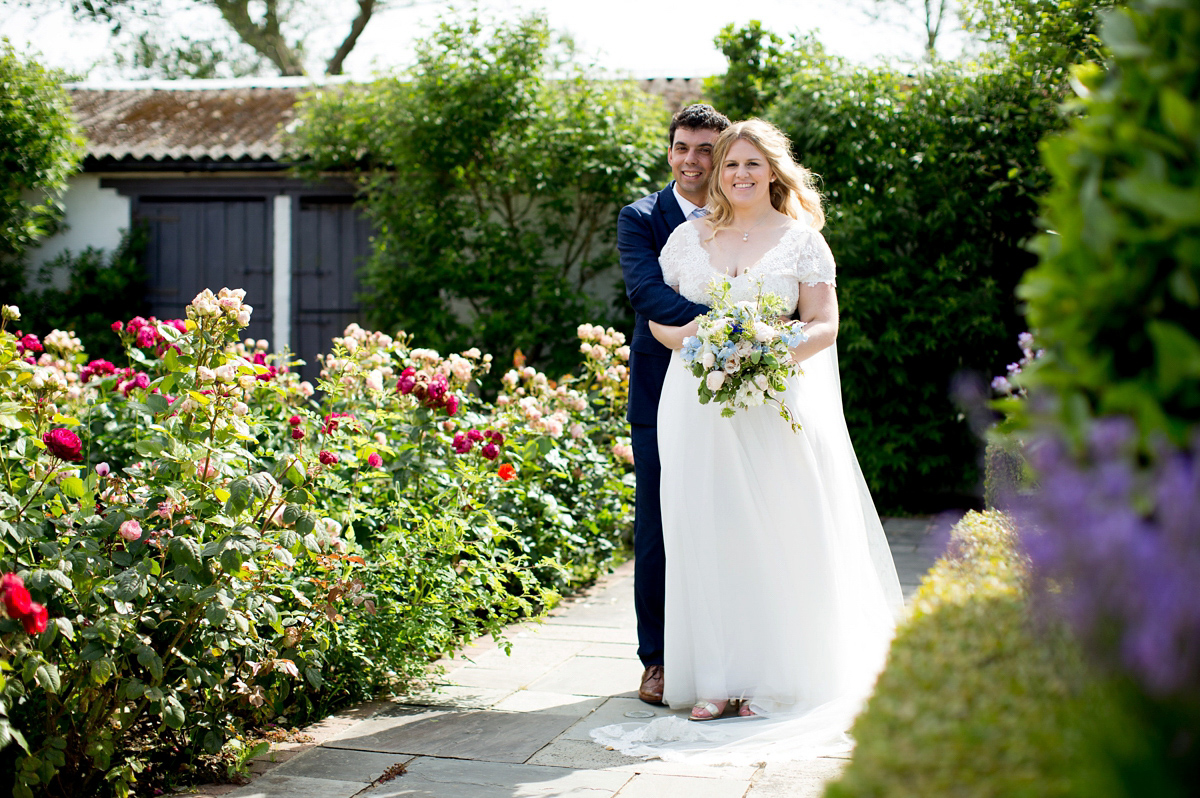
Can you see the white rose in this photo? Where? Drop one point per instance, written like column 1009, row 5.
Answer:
column 715, row 380
column 731, row 365
column 709, row 360
column 761, row 381
column 764, row 332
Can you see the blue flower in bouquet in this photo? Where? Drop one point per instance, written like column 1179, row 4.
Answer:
column 793, row 335
column 727, row 351
column 691, row 348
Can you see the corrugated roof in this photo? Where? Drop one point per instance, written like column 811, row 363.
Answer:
column 161, row 122
column 154, row 124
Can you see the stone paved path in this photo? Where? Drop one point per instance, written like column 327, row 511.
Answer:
column 517, row 726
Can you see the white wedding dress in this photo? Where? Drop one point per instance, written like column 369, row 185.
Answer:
column 780, row 586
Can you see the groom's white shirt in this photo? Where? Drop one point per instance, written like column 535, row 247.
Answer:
column 685, row 205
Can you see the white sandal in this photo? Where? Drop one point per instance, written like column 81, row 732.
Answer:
column 714, row 711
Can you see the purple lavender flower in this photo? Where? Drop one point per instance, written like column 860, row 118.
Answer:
column 1122, row 541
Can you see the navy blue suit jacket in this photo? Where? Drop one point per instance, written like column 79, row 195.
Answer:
column 642, row 229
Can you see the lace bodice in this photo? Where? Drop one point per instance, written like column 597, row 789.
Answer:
column 801, row 256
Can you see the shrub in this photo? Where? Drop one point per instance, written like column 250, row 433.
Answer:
column 216, row 549
column 1114, row 405
column 502, row 234
column 100, row 287
column 976, row 701
column 40, row 146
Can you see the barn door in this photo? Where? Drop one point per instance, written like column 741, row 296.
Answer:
column 332, row 242
column 198, row 243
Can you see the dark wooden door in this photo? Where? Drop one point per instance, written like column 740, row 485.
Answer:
column 333, row 239
column 198, row 243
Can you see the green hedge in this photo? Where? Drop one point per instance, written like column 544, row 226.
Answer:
column 975, row 702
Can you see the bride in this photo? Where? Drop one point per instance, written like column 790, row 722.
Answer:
column 781, row 592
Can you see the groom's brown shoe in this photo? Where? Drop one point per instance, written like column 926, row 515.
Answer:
column 651, row 690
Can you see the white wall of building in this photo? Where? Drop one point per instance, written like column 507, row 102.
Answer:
column 95, row 217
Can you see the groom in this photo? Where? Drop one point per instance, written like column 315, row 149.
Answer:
column 642, row 230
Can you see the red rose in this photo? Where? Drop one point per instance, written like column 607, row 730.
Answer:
column 297, row 434
column 507, row 472
column 17, row 601
column 30, row 343
column 117, row 326
column 64, row 444
column 35, row 621
column 451, row 404
column 294, row 421
column 327, row 458
column 490, row 451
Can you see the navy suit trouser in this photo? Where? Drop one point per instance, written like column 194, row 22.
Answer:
column 650, row 558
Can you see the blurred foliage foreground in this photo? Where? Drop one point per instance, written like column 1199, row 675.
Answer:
column 193, row 546
column 980, row 700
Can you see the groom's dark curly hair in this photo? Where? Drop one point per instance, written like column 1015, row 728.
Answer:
column 697, row 117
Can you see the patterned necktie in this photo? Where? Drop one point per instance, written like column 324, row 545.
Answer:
column 698, row 213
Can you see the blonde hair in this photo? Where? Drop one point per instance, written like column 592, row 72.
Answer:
column 792, row 191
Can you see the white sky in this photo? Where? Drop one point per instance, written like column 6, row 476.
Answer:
column 646, row 38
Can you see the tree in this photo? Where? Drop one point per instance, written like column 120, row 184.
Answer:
column 40, row 146
column 494, row 189
column 757, row 65
column 933, row 15
column 264, row 32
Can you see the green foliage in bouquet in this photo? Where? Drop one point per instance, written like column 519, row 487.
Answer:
column 741, row 352
column 501, row 233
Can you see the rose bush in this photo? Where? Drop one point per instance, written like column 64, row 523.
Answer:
column 216, row 544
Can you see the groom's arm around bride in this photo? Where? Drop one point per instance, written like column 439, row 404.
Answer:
column 642, row 229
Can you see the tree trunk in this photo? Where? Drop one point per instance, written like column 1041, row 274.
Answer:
column 265, row 37
column 365, row 8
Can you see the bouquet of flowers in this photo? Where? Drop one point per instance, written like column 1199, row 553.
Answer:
column 741, row 352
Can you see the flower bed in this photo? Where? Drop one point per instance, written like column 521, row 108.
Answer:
column 215, row 548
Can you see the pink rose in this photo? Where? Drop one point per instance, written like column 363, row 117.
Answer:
column 451, row 404
column 297, row 434
column 327, row 458
column 490, row 451
column 475, row 435
column 374, row 460
column 131, row 530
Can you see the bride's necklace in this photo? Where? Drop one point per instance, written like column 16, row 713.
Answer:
column 746, row 233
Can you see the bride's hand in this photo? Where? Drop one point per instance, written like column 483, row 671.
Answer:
column 672, row 337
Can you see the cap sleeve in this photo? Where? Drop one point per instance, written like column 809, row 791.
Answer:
column 814, row 261
column 670, row 260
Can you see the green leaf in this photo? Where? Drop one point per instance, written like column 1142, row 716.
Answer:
column 173, row 713
column 149, row 447
column 69, row 421
column 48, row 677
column 73, row 487
column 151, row 662
column 186, row 550
column 157, row 402
column 240, row 493
column 295, row 475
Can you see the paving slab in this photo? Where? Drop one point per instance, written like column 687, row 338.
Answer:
column 484, row 735
column 556, row 703
column 456, row 696
column 618, row 650
column 580, row 754
column 797, row 779
column 577, row 631
column 447, row 778
column 273, row 786
column 528, row 662
column 596, row 676
column 340, row 765
column 655, row 785
column 615, row 710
